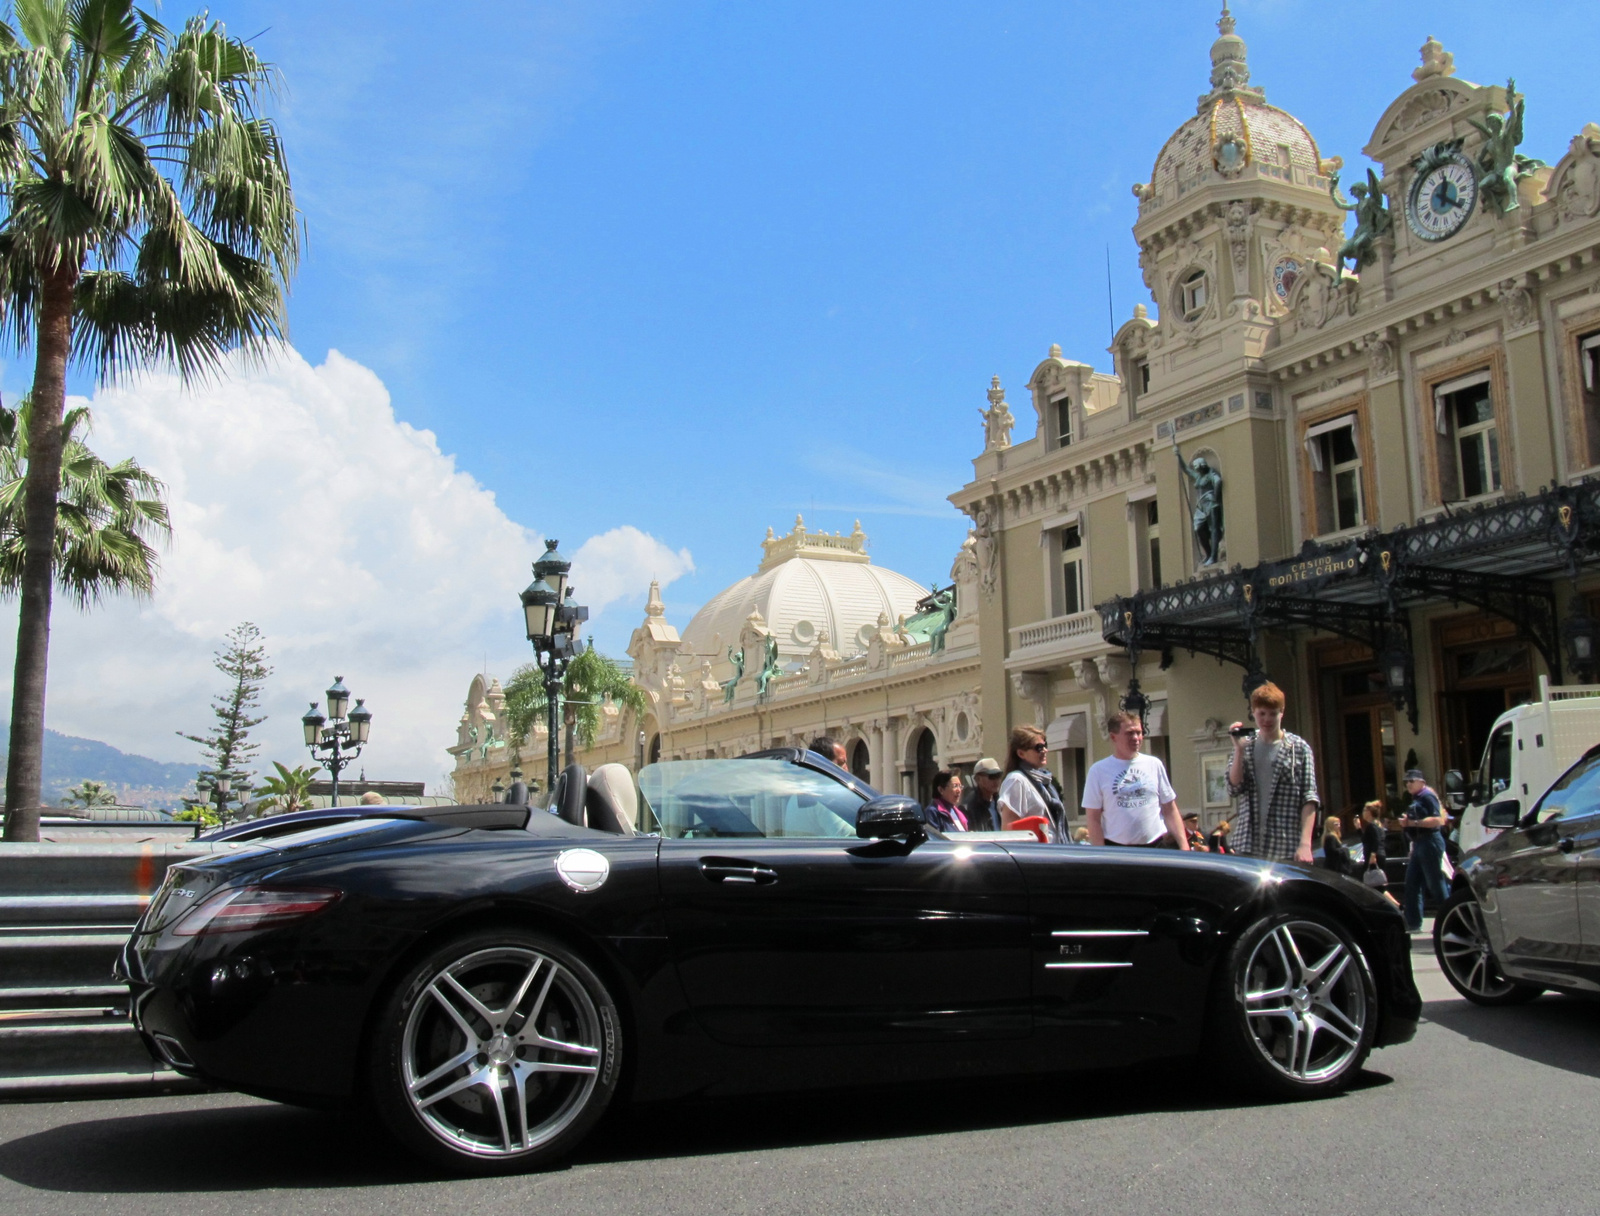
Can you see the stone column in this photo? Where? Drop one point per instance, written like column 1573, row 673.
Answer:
column 891, row 757
column 879, row 768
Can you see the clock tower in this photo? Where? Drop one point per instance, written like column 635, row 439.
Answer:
column 1236, row 208
column 1432, row 142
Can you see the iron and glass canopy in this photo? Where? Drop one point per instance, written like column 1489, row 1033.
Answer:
column 1502, row 557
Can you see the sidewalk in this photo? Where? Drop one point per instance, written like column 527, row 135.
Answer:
column 1425, row 967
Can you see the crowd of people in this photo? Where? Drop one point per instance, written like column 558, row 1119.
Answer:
column 1128, row 802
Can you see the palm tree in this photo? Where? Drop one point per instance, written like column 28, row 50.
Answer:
column 145, row 217
column 591, row 678
column 290, row 790
column 106, row 515
column 88, row 794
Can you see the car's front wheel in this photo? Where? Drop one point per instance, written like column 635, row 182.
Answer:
column 1461, row 944
column 496, row 1052
column 1294, row 1009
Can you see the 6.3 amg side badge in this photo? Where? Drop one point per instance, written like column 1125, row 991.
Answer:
column 583, row 869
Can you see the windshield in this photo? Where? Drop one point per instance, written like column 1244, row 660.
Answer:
column 1496, row 773
column 1576, row 793
column 750, row 798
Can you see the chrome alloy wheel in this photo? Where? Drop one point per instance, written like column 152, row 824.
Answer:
column 501, row 1051
column 1305, row 1001
column 1462, row 944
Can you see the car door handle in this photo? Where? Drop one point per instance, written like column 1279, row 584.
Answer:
column 1566, row 844
column 734, row 870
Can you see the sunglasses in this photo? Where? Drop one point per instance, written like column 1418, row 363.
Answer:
column 1035, row 747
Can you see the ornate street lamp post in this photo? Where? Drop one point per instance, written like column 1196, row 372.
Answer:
column 1578, row 633
column 551, row 624
column 336, row 741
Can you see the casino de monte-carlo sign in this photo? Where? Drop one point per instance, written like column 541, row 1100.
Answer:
column 1309, row 573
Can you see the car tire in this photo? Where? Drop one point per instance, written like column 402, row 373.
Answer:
column 1294, row 1009
column 1461, row 944
column 495, row 1053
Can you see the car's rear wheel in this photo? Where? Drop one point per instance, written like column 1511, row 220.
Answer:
column 1461, row 944
column 496, row 1052
column 1294, row 1009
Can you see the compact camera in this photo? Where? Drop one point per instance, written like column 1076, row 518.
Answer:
column 1242, row 732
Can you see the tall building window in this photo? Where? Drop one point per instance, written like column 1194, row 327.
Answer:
column 1193, row 293
column 1063, row 408
column 1336, row 475
column 1152, row 537
column 1071, row 570
column 1469, row 438
column 1589, row 390
column 1138, row 380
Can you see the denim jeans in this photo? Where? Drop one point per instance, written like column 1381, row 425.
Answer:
column 1424, row 871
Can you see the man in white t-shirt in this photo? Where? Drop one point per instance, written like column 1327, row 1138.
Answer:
column 1127, row 796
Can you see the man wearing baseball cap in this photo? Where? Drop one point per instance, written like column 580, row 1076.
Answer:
column 979, row 804
column 1425, row 821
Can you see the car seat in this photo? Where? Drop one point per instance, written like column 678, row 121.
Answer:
column 612, row 802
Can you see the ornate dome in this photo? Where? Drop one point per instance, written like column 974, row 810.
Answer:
column 808, row 583
column 1234, row 134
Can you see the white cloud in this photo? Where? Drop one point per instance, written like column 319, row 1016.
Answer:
column 299, row 502
column 618, row 563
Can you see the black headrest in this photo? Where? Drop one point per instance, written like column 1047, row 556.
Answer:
column 571, row 793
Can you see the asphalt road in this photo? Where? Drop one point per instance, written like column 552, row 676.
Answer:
column 1486, row 1111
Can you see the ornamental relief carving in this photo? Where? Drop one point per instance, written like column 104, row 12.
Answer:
column 1420, row 111
column 1518, row 301
column 1380, row 354
column 1321, row 294
column 1575, row 183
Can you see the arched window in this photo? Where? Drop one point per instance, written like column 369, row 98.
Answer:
column 860, row 761
column 654, row 752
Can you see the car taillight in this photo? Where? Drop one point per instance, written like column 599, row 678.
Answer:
column 240, row 908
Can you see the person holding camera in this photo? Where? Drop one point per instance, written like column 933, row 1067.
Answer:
column 1275, row 780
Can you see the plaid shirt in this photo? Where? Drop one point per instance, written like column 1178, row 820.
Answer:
column 1274, row 833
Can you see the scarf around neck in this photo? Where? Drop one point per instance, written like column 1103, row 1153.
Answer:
column 1045, row 783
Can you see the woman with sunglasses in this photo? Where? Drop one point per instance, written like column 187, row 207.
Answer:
column 1029, row 788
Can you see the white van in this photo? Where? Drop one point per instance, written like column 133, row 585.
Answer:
column 1530, row 746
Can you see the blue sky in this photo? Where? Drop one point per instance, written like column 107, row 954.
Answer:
column 714, row 263
column 693, row 266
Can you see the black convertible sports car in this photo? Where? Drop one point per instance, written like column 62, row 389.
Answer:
column 488, row 980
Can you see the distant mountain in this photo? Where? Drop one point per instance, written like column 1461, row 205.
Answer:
column 137, row 780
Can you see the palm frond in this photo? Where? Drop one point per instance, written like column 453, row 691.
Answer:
column 109, row 518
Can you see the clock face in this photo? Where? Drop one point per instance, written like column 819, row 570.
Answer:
column 1442, row 199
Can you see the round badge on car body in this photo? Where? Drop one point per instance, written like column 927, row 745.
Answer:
column 583, row 869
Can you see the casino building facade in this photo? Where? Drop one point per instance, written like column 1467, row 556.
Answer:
column 1404, row 418
column 818, row 640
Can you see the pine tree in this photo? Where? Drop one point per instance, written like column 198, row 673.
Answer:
column 228, row 748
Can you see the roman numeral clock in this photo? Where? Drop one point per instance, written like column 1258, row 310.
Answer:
column 1444, row 192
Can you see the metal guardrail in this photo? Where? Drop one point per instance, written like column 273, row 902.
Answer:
column 65, row 911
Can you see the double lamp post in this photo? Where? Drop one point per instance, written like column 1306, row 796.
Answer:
column 553, row 625
column 336, row 741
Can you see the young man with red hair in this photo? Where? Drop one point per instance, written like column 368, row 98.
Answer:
column 1275, row 780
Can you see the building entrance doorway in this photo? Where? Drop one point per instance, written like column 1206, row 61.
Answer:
column 1357, row 761
column 861, row 761
column 926, row 768
column 1485, row 671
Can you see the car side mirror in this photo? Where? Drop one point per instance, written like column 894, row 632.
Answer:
column 890, row 815
column 1502, row 814
column 1454, row 783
